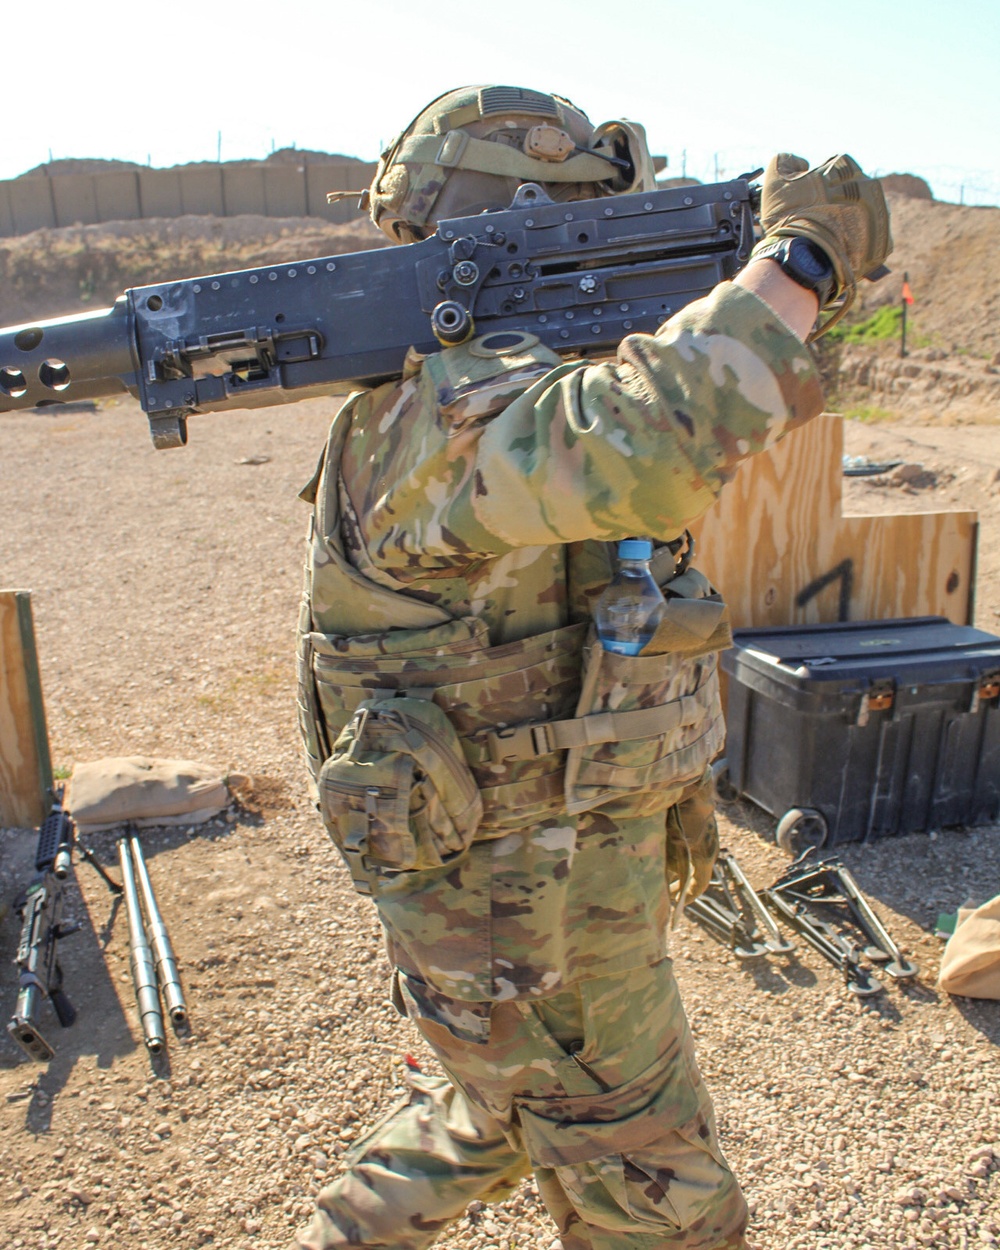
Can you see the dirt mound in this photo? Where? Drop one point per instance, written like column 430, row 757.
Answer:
column 302, row 156
column 949, row 252
column 79, row 165
column 926, row 385
column 100, row 165
column 906, row 184
column 951, row 371
column 51, row 273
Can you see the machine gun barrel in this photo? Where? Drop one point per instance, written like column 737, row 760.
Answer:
column 141, row 958
column 159, row 941
column 84, row 356
column 579, row 277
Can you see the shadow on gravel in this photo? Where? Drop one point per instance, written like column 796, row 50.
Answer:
column 100, row 1028
column 922, row 875
column 982, row 1015
column 772, row 980
column 910, row 881
column 94, row 959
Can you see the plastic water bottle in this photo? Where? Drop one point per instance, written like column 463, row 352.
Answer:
column 629, row 611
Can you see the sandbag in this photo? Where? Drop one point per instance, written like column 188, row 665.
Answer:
column 142, row 791
column 970, row 965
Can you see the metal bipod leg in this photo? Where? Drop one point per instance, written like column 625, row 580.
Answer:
column 842, row 954
column 751, row 900
column 827, row 881
column 726, row 925
column 731, row 910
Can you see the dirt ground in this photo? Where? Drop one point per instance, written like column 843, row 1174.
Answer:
column 165, row 591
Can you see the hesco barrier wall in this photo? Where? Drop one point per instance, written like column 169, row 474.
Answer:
column 269, row 190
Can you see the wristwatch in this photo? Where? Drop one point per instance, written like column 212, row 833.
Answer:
column 803, row 261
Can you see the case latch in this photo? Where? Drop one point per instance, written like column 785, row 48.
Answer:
column 879, row 697
column 988, row 688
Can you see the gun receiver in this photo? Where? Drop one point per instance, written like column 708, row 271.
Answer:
column 579, row 275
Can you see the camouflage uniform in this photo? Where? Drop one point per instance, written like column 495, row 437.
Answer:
column 457, row 547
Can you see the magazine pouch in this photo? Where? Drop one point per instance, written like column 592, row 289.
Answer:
column 648, row 725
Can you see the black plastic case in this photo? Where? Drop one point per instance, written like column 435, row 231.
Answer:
column 870, row 728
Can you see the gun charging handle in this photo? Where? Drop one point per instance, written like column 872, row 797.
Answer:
column 141, row 958
column 159, row 941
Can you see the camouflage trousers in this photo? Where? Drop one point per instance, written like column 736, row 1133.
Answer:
column 595, row 1090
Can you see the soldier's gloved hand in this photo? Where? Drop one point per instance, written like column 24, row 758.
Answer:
column 836, row 206
column 692, row 840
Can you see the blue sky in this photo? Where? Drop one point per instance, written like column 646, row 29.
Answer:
column 904, row 85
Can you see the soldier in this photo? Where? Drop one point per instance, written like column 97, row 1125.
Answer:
column 515, row 799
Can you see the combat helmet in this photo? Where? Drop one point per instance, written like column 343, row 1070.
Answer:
column 470, row 149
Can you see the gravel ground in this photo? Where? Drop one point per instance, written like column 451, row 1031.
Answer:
column 165, row 593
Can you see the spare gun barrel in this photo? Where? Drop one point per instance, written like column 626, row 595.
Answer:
column 141, row 958
column 159, row 941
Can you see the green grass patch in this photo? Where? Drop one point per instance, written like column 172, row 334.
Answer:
column 884, row 323
column 870, row 415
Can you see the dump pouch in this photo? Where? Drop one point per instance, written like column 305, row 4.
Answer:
column 396, row 794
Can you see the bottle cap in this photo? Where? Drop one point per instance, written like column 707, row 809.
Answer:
column 635, row 549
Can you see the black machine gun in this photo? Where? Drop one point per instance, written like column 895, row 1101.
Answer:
column 42, row 925
column 580, row 276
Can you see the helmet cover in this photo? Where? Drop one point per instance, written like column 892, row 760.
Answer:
column 470, row 149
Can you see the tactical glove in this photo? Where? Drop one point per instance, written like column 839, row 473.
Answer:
column 692, row 840
column 836, row 206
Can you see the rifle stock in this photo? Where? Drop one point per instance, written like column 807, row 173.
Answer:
column 580, row 276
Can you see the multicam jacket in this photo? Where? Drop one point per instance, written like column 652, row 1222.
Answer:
column 457, row 545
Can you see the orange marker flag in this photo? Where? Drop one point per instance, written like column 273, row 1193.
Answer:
column 907, row 293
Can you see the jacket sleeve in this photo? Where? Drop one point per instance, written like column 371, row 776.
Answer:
column 644, row 444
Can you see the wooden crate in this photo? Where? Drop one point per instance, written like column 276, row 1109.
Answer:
column 781, row 551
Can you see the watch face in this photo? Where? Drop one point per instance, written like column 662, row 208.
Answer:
column 809, row 259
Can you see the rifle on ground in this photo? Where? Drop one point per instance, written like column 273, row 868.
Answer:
column 42, row 925
column 580, row 276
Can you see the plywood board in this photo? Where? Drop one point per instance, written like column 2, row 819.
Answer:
column 779, row 548
column 25, row 767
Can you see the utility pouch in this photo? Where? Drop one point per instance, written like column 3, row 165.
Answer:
column 650, row 724
column 396, row 793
